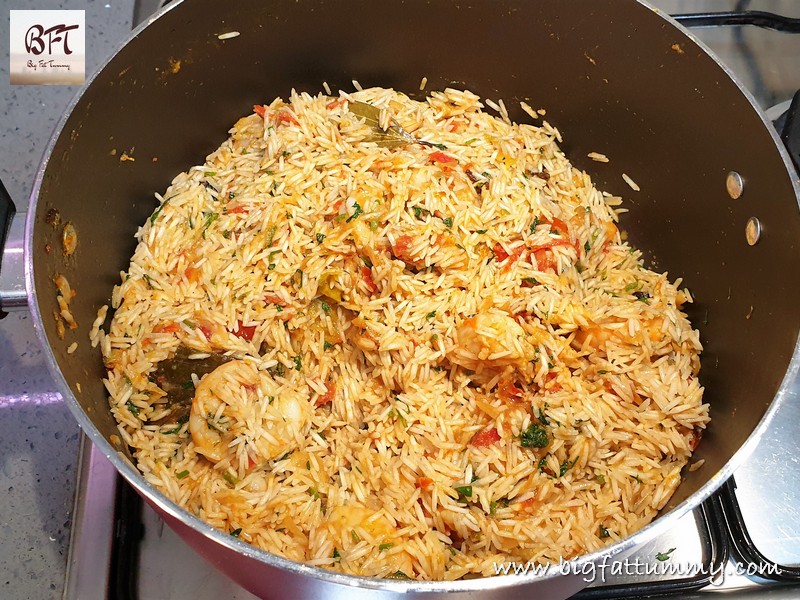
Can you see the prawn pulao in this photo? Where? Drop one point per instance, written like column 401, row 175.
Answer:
column 407, row 356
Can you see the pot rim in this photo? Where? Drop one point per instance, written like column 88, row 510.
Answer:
column 575, row 566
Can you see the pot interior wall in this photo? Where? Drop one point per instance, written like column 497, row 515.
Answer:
column 614, row 77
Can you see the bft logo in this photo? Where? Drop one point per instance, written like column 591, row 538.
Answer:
column 36, row 36
column 47, row 46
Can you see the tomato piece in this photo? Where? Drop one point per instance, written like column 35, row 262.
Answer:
column 441, row 157
column 168, row 328
column 245, row 332
column 401, row 247
column 206, row 330
column 193, row 274
column 260, row 109
column 694, row 439
column 328, row 396
column 366, row 274
column 529, row 503
column 236, row 210
column 500, row 252
column 286, row 117
column 424, row 483
column 544, row 259
column 555, row 387
column 485, row 438
column 335, row 103
column 507, row 391
column 552, row 244
column 559, row 226
column 274, row 299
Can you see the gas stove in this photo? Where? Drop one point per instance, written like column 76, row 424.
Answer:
column 744, row 541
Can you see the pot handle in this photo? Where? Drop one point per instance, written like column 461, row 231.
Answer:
column 791, row 131
column 12, row 264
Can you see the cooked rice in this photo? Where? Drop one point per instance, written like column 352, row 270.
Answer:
column 633, row 185
column 427, row 307
column 598, row 157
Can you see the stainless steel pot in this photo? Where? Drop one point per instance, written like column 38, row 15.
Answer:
column 616, row 77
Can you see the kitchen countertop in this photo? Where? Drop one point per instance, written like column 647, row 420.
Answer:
column 39, row 439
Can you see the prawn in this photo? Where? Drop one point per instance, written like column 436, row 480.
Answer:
column 245, row 416
column 492, row 340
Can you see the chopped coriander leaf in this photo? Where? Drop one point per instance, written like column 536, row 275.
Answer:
column 373, row 225
column 270, row 236
column 298, row 363
column 210, row 173
column 356, row 211
column 134, row 410
column 182, row 474
column 636, row 478
column 448, row 222
column 236, row 532
column 542, row 463
column 336, row 555
column 481, row 231
column 534, row 225
column 495, row 504
column 641, row 296
column 326, row 308
column 308, row 465
column 277, row 370
column 464, row 492
column 385, row 546
column 600, row 478
column 439, row 146
column 356, row 538
column 602, row 371
column 604, row 532
column 210, row 218
column 299, row 273
column 418, row 212
column 662, row 556
column 313, row 493
column 176, row 429
column 271, row 267
column 431, row 315
column 631, row 286
column 284, row 456
column 542, row 417
column 230, row 477
column 149, row 281
column 565, row 466
column 535, row 436
column 398, row 575
column 278, row 308
column 367, row 262
column 327, row 345
column 320, row 237
column 586, row 247
column 231, row 195
column 530, row 281
column 157, row 211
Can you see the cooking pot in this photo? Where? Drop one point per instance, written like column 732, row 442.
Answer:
column 615, row 77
